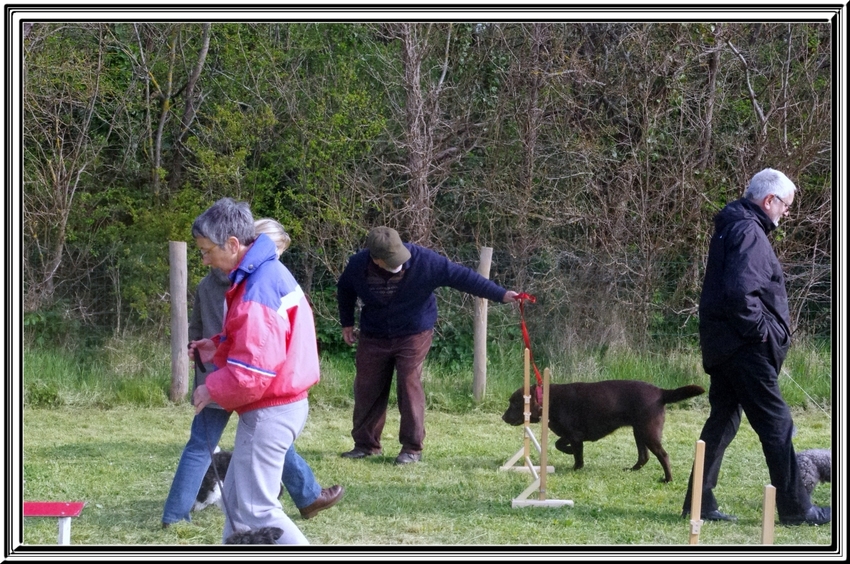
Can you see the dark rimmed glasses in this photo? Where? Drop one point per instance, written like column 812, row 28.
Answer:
column 787, row 207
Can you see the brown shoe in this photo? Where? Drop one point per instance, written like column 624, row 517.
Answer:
column 327, row 498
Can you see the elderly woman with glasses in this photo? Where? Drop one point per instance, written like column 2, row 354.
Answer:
column 266, row 359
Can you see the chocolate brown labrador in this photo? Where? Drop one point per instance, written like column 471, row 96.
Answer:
column 589, row 411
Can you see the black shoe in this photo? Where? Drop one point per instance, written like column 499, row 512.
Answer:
column 713, row 515
column 408, row 458
column 814, row 516
column 358, row 452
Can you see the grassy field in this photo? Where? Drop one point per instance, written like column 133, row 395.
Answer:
column 98, row 427
column 121, row 461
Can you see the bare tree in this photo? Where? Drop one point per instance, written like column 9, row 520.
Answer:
column 61, row 98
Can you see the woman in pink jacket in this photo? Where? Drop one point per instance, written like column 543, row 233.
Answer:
column 268, row 361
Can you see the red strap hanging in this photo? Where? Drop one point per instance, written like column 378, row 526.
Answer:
column 521, row 298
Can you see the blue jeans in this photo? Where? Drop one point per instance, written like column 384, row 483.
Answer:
column 297, row 478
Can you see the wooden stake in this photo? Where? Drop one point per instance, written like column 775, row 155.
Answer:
column 768, row 509
column 179, row 320
column 696, row 492
column 544, row 434
column 479, row 332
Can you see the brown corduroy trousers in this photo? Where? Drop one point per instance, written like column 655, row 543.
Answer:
column 375, row 361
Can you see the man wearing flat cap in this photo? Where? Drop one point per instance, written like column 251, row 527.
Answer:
column 395, row 282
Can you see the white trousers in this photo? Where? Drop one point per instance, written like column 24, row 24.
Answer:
column 252, row 485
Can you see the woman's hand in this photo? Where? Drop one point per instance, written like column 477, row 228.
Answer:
column 201, row 398
column 206, row 347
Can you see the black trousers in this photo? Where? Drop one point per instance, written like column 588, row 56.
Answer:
column 749, row 381
column 375, row 361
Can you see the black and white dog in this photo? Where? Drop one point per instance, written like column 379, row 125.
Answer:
column 210, row 492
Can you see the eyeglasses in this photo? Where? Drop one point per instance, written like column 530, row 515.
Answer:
column 787, row 207
column 205, row 252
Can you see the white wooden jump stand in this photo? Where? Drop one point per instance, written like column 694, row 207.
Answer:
column 63, row 510
column 524, row 453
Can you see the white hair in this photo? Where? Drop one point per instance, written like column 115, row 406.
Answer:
column 767, row 182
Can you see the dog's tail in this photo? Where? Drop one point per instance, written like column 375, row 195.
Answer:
column 679, row 394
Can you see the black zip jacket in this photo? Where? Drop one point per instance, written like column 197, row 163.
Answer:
column 743, row 299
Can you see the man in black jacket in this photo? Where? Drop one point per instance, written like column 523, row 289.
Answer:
column 744, row 334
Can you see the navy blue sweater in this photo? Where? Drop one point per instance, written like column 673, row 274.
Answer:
column 413, row 308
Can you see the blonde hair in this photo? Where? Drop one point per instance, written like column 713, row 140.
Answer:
column 275, row 231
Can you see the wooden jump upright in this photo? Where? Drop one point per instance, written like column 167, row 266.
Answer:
column 696, row 493
column 768, row 504
column 524, row 453
column 768, row 510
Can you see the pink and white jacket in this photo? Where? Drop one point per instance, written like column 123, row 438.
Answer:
column 267, row 348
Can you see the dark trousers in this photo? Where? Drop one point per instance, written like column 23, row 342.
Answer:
column 749, row 381
column 376, row 360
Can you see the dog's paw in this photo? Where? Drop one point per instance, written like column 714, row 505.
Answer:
column 213, row 498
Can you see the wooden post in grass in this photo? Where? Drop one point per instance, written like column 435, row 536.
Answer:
column 179, row 320
column 479, row 332
column 696, row 492
column 768, row 509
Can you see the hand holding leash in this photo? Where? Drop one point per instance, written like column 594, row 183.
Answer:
column 202, row 351
column 199, row 364
column 511, row 296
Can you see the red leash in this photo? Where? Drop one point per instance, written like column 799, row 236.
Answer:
column 521, row 298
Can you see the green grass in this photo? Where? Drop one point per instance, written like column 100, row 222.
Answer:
column 138, row 373
column 98, row 427
column 121, row 462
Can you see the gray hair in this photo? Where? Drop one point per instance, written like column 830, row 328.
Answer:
column 224, row 219
column 767, row 182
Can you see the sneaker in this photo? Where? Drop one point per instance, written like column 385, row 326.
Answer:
column 814, row 516
column 408, row 458
column 358, row 452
